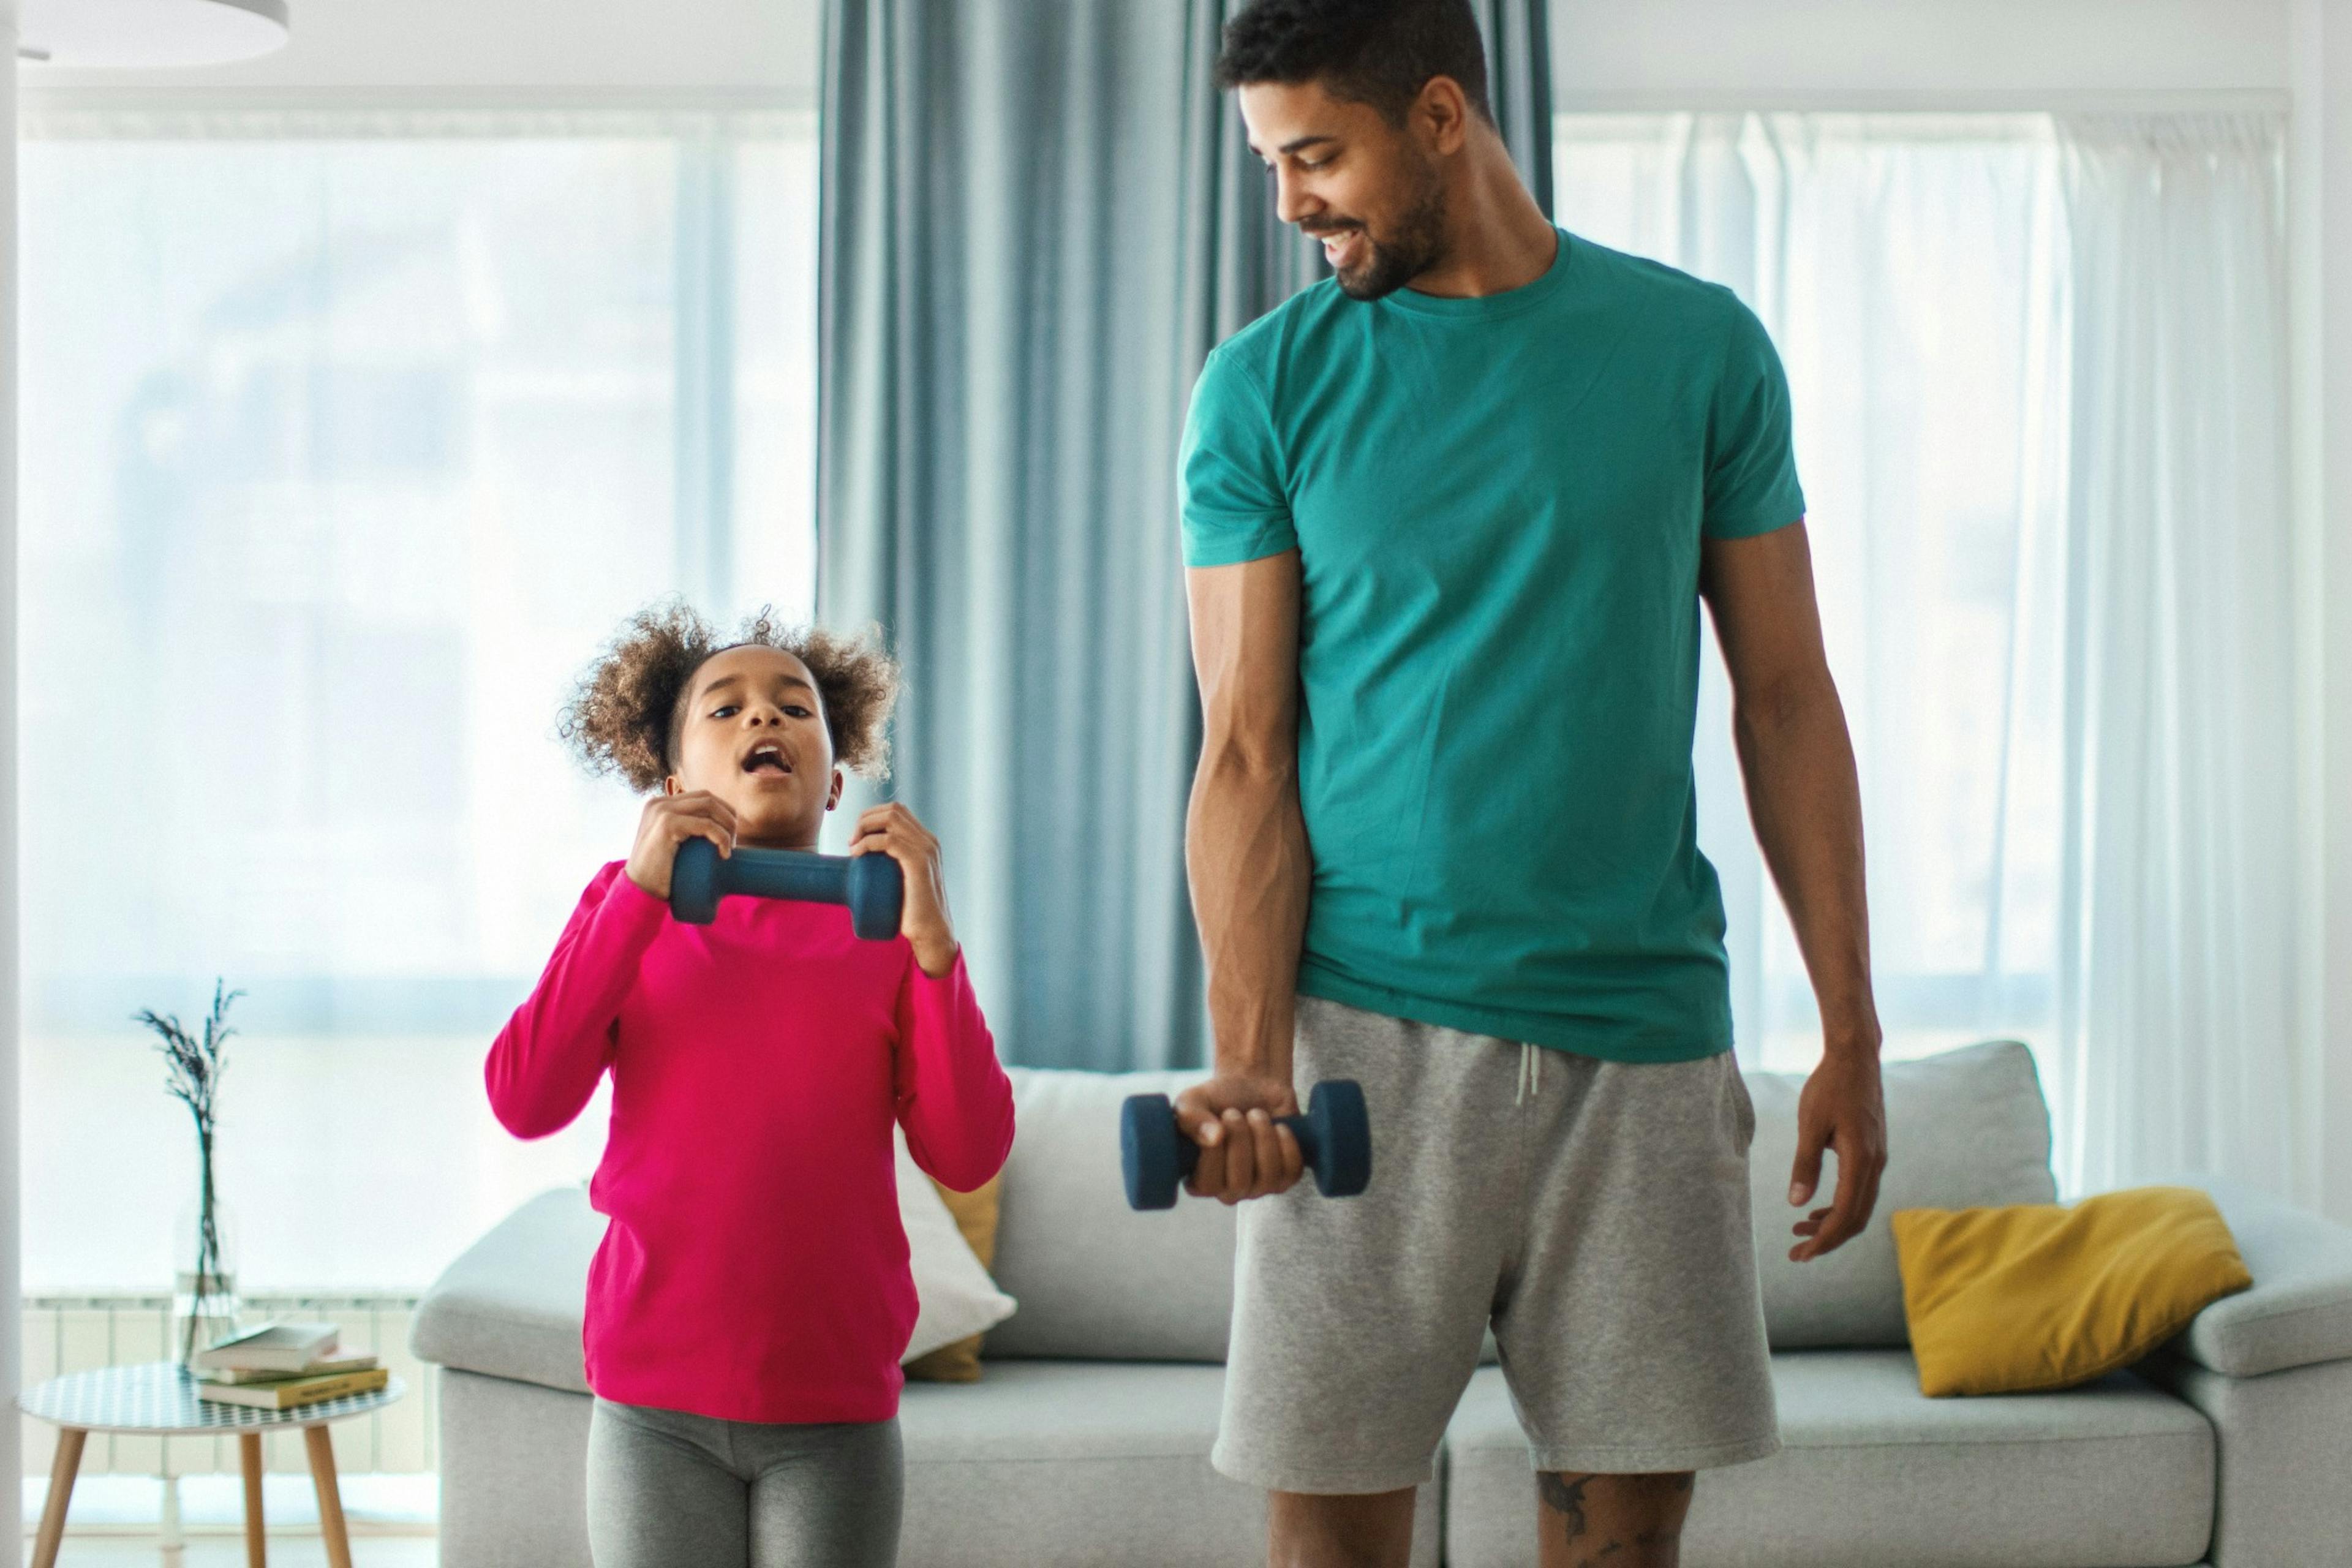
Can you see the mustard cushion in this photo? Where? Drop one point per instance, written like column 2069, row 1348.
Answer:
column 2037, row 1296
column 975, row 1215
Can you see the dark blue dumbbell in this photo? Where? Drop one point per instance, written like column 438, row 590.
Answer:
column 1335, row 1137
column 869, row 884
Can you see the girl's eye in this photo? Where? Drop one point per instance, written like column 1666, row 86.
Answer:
column 723, row 710
column 799, row 712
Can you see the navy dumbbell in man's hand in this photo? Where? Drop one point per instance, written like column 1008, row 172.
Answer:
column 1245, row 1152
column 1333, row 1140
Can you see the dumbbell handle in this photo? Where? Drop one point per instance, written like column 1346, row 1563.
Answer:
column 789, row 874
column 1188, row 1153
column 871, row 885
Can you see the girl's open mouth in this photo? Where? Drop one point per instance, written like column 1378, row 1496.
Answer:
column 768, row 758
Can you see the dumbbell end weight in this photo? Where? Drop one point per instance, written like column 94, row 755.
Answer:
column 1154, row 1156
column 878, row 895
column 1340, row 1126
column 694, row 882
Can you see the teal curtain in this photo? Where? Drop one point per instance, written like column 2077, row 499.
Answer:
column 1037, row 220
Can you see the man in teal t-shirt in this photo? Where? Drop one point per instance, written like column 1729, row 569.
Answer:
column 1447, row 519
column 1497, row 504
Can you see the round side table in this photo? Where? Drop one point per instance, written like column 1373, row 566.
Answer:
column 159, row 1399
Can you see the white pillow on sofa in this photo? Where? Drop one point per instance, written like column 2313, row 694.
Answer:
column 958, row 1298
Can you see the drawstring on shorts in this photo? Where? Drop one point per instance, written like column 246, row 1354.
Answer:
column 1530, row 1073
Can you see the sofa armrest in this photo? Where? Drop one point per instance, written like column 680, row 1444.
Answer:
column 2299, row 1311
column 511, row 1305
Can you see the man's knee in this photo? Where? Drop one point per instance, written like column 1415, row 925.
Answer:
column 1316, row 1530
column 1634, row 1521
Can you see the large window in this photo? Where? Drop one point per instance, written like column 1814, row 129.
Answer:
column 1910, row 269
column 348, row 442
column 2040, row 376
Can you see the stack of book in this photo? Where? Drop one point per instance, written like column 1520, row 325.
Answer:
column 281, row 1365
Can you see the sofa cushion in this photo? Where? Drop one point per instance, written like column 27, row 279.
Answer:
column 1040, row 1465
column 1872, row 1472
column 955, row 1298
column 1965, row 1129
column 1046, row 1462
column 511, row 1305
column 1094, row 1277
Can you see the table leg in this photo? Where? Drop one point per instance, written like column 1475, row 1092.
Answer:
column 61, row 1479
column 322, row 1446
column 172, row 1543
column 248, row 1459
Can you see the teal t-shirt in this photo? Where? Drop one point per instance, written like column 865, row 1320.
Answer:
column 1497, row 505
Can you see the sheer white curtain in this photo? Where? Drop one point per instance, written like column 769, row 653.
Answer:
column 2037, row 366
column 350, row 438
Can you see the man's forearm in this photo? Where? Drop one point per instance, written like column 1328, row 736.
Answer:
column 1245, row 849
column 1806, row 803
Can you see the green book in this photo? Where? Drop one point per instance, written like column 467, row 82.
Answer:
column 287, row 1392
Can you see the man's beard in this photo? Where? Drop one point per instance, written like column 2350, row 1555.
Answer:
column 1418, row 244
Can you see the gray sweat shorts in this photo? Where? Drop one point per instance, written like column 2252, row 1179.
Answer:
column 1594, row 1212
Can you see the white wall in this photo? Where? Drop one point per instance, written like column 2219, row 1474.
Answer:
column 1602, row 46
column 1862, row 51
column 11, row 1370
column 2320, row 203
column 545, row 45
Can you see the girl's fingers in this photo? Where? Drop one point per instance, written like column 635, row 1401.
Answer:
column 891, row 815
column 685, row 807
column 681, row 826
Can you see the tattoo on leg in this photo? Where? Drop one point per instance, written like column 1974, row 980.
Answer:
column 1565, row 1497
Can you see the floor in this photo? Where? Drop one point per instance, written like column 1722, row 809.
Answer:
column 112, row 1522
column 228, row 1552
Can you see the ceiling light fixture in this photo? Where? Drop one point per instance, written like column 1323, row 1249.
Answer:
column 144, row 33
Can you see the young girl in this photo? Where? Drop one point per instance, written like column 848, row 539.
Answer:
column 748, row 1304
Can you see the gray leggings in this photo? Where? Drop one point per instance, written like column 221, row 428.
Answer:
column 667, row 1490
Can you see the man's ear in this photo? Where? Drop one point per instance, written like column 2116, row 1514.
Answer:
column 1443, row 114
column 670, row 784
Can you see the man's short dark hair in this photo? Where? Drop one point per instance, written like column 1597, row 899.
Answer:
column 1380, row 52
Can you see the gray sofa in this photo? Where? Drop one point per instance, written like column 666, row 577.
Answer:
column 1086, row 1441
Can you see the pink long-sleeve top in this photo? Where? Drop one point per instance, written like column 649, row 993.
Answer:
column 753, row 1267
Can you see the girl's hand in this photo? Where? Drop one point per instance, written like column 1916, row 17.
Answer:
column 670, row 820
column 893, row 830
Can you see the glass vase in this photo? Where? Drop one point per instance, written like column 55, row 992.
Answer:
column 204, row 1304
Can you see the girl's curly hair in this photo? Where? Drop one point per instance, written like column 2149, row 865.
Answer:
column 627, row 712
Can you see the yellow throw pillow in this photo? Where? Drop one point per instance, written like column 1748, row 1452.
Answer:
column 975, row 1215
column 2006, row 1300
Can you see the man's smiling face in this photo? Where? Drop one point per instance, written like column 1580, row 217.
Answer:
column 1367, row 189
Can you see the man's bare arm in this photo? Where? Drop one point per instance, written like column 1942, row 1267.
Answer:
column 1805, row 800
column 1246, row 850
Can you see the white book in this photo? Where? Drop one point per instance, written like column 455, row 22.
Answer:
column 278, row 1346
column 340, row 1360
